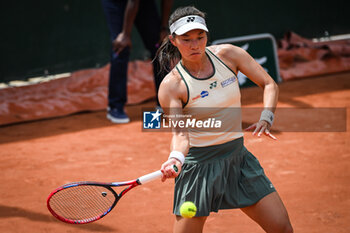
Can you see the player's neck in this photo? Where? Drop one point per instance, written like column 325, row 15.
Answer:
column 200, row 68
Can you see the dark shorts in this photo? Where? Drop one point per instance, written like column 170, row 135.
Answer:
column 225, row 176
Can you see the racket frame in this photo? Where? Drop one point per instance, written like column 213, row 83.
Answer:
column 131, row 183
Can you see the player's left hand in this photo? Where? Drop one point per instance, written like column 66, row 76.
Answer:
column 261, row 127
column 168, row 169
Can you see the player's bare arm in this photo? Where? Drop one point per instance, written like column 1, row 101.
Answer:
column 172, row 94
column 239, row 60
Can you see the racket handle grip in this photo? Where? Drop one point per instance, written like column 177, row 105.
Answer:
column 149, row 177
column 152, row 176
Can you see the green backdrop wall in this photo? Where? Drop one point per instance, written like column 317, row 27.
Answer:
column 49, row 37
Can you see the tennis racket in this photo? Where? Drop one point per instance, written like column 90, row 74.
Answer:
column 85, row 202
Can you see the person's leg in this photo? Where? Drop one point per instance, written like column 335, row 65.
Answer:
column 117, row 86
column 189, row 225
column 270, row 214
column 148, row 25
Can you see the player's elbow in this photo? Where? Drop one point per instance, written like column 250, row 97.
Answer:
column 275, row 87
column 272, row 87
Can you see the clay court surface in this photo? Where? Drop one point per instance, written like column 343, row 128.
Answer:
column 311, row 170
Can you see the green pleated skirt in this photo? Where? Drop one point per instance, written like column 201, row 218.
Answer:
column 225, row 176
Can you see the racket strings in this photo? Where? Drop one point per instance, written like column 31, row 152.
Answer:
column 82, row 202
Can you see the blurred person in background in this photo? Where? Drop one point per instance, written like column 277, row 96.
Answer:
column 121, row 15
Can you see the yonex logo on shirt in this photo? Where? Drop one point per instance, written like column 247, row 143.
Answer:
column 212, row 85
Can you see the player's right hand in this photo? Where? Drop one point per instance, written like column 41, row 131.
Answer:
column 168, row 169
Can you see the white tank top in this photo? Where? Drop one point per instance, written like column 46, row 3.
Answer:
column 216, row 98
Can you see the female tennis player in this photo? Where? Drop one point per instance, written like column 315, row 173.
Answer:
column 218, row 172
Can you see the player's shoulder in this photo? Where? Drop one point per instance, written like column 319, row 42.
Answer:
column 172, row 90
column 225, row 50
column 171, row 80
column 173, row 76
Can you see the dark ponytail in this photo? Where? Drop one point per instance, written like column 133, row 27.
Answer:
column 167, row 54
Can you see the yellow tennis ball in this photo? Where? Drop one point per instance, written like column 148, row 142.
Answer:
column 188, row 209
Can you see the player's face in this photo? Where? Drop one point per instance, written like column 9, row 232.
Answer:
column 191, row 44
